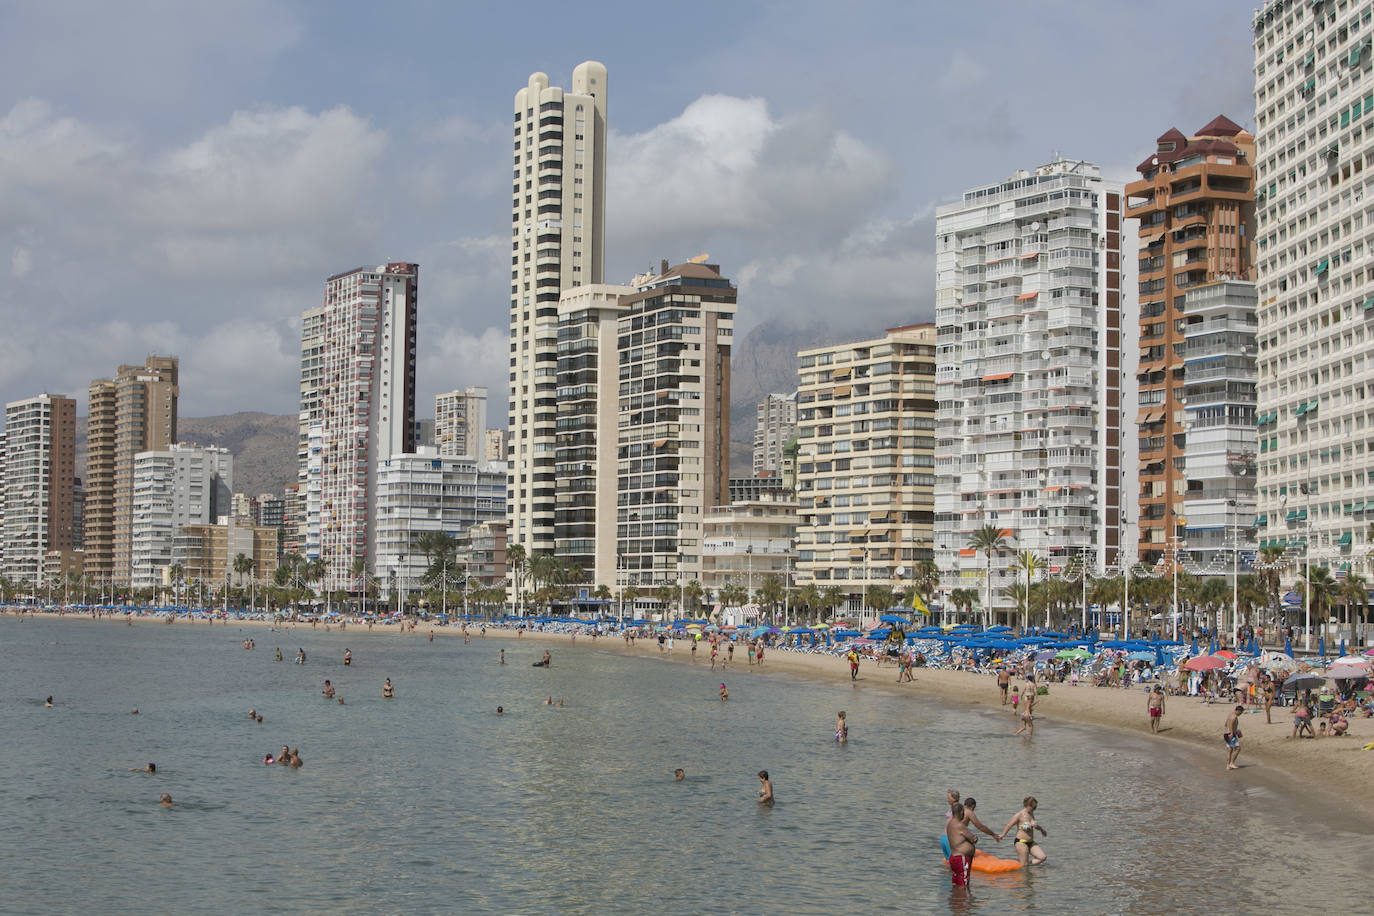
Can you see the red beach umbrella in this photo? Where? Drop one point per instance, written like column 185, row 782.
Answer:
column 1204, row 663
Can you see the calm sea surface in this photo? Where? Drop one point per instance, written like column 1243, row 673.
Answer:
column 431, row 803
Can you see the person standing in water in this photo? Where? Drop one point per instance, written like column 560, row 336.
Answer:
column 961, row 846
column 279, row 653
column 1027, row 713
column 841, row 729
column 503, row 657
column 765, row 788
column 724, row 694
column 348, row 656
column 1025, row 825
column 387, row 690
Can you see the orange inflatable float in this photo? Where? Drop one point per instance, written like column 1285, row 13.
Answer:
column 982, row 861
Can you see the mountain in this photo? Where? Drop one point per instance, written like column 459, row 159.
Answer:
column 763, row 361
column 263, row 446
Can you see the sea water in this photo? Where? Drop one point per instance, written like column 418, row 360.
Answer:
column 432, row 803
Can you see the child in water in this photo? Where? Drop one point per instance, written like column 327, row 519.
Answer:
column 1015, row 698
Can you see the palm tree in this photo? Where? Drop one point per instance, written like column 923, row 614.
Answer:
column 732, row 595
column 926, row 579
column 245, row 564
column 809, row 597
column 666, row 593
column 693, row 592
column 963, row 599
column 989, row 539
column 878, row 597
column 515, row 561
column 1355, row 591
column 1030, row 564
column 1320, row 588
column 603, row 594
column 770, row 593
column 831, row 598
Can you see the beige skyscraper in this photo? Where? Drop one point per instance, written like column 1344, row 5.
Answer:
column 557, row 242
column 36, row 488
column 134, row 412
column 460, row 420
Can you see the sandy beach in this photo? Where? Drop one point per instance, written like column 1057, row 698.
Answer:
column 1337, row 766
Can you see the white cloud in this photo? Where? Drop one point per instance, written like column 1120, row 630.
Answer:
column 963, row 73
column 21, row 261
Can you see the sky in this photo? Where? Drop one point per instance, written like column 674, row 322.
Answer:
column 179, row 177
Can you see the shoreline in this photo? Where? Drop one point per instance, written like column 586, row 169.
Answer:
column 1337, row 765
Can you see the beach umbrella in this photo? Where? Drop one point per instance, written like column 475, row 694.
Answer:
column 1204, row 663
column 822, row 626
column 1287, row 646
column 1321, row 645
column 1044, row 656
column 1347, row 672
column 1305, row 681
column 1140, row 655
column 1194, row 648
column 1225, row 653
column 1074, row 653
column 1277, row 661
column 895, row 618
column 1342, row 645
column 1356, row 660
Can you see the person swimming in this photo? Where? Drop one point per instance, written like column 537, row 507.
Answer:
column 285, row 756
column 388, row 691
column 500, row 711
column 269, row 759
column 348, row 657
column 150, row 768
column 328, row 690
column 295, row 758
column 48, row 701
column 165, row 801
column 679, row 775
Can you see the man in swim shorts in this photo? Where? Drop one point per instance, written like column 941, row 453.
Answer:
column 961, row 844
column 1003, row 680
column 1155, row 704
column 1232, row 737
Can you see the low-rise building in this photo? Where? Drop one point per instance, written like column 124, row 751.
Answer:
column 206, row 555
column 745, row 542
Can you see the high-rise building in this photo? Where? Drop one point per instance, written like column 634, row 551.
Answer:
column 357, row 406
column 428, row 493
column 1195, row 201
column 588, row 407
column 1029, row 302
column 1314, row 136
column 866, row 461
column 494, row 445
column 558, row 201
column 460, row 422
column 134, row 412
column 243, row 508
column 271, row 510
column 674, row 342
column 1219, row 432
column 775, row 427
column 40, row 469
column 180, row 485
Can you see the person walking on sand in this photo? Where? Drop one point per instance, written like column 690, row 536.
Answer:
column 853, row 657
column 1231, row 737
column 1028, row 714
column 1155, row 705
column 1025, row 825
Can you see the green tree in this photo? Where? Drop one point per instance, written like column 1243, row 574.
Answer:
column 244, row 566
column 770, row 594
column 1029, row 564
column 963, row 600
column 988, row 540
column 1320, row 589
column 694, row 592
column 832, row 596
column 516, row 560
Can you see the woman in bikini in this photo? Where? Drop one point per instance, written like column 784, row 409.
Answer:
column 1025, row 825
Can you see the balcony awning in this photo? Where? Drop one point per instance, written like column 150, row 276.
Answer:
column 1000, row 376
column 1322, row 265
column 968, row 552
column 1369, row 303
column 842, row 373
column 659, row 443
column 1345, row 540
column 1025, row 296
column 1300, row 409
column 842, row 390
column 1152, row 416
column 1030, row 254
column 1261, row 519
column 859, row 533
column 1311, row 406
column 1292, row 515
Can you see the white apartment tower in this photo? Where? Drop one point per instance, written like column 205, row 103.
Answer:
column 1314, row 202
column 1029, row 302
column 36, row 489
column 181, row 485
column 558, row 202
column 776, row 424
column 460, row 422
column 357, row 406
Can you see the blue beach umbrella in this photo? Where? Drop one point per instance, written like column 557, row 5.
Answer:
column 1287, row 646
column 1193, row 650
column 1321, row 646
column 1342, row 652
